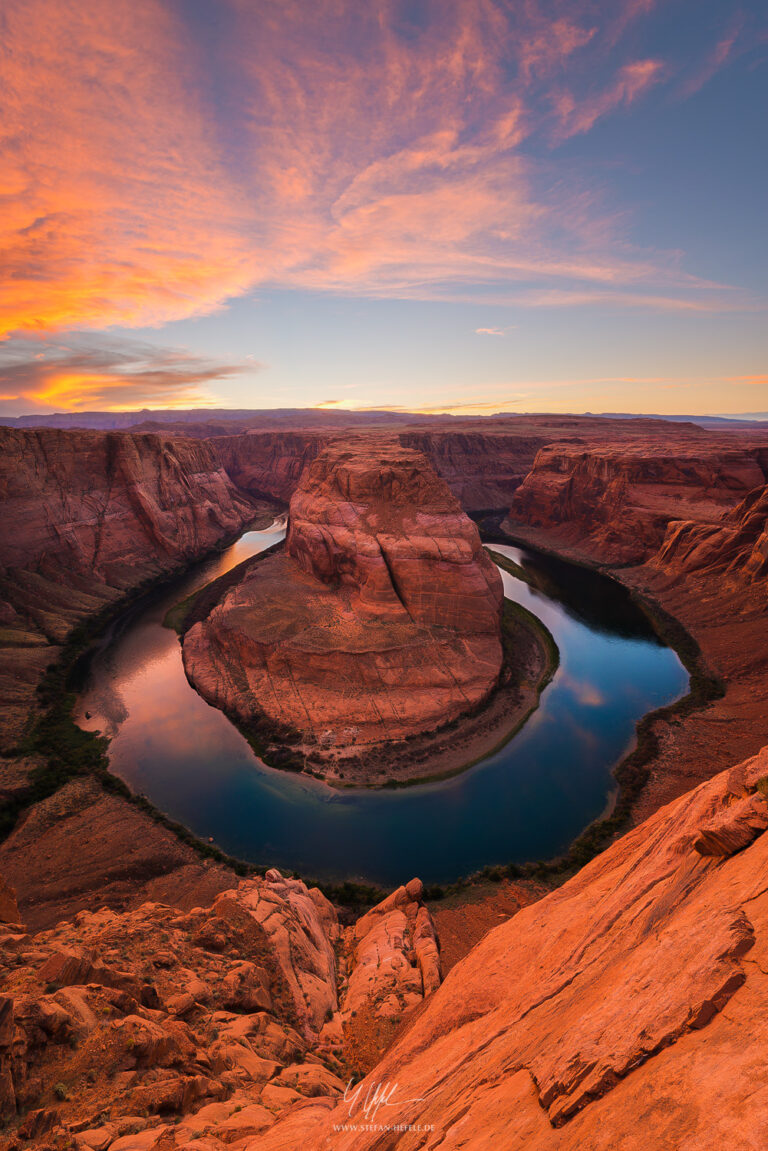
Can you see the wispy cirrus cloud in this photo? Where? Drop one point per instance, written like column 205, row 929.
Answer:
column 578, row 115
column 723, row 51
column 160, row 158
column 115, row 205
column 107, row 372
column 759, row 380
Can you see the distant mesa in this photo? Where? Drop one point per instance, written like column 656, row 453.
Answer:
column 380, row 620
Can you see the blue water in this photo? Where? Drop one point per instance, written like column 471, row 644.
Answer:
column 527, row 801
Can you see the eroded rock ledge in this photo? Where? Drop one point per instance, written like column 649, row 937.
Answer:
column 155, row 1028
column 381, row 619
column 626, row 1009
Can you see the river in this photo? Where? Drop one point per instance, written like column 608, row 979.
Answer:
column 528, row 800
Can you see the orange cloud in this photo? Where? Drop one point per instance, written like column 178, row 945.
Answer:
column 758, row 380
column 115, row 207
column 152, row 170
column 109, row 374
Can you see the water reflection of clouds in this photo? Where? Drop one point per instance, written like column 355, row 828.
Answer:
column 587, row 694
column 528, row 800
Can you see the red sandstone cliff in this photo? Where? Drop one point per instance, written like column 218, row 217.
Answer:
column 482, row 470
column 737, row 545
column 381, row 620
column 87, row 516
column 268, row 464
column 483, row 466
column 615, row 502
column 114, row 506
column 692, row 520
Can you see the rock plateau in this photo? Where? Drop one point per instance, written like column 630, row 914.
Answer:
column 381, row 620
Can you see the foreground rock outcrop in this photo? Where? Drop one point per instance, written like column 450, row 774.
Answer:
column 160, row 1028
column 626, row 1009
column 381, row 620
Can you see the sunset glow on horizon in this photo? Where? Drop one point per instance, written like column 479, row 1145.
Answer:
column 463, row 206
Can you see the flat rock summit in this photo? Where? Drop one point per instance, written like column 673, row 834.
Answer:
column 381, row 619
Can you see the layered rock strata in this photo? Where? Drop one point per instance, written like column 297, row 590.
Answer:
column 380, row 621
column 269, row 464
column 686, row 526
column 114, row 507
column 86, row 517
column 616, row 502
column 737, row 545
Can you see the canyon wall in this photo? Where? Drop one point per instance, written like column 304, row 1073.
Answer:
column 614, row 502
column 114, row 506
column 691, row 519
column 483, row 466
column 483, row 471
column 381, row 619
column 268, row 464
column 737, row 545
column 88, row 516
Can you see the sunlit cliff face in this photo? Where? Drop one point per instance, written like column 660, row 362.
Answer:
column 160, row 159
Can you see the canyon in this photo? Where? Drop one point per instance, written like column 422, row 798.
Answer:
column 381, row 620
column 621, row 1008
column 616, row 502
column 87, row 517
column 687, row 534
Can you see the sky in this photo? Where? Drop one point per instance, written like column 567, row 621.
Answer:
column 462, row 206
